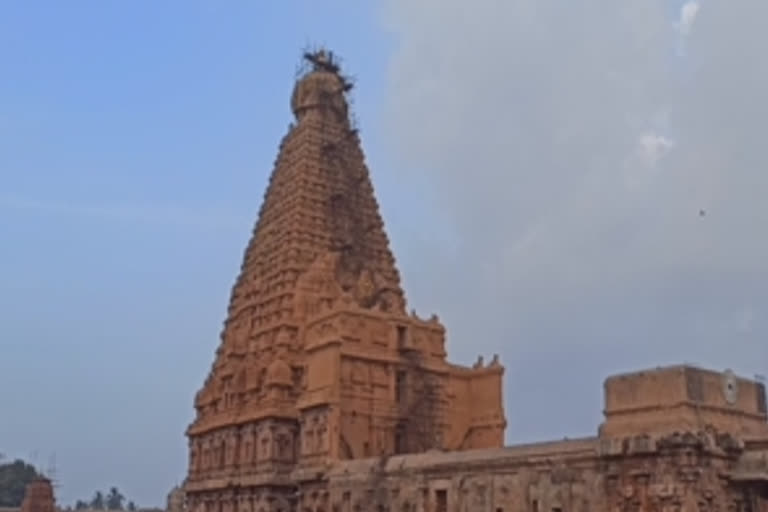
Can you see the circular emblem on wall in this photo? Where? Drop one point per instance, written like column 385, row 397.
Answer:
column 730, row 387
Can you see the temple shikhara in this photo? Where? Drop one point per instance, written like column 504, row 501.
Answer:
column 327, row 395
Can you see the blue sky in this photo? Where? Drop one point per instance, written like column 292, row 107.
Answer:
column 540, row 167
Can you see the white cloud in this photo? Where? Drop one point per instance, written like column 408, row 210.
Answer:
column 684, row 24
column 688, row 13
column 652, row 147
column 536, row 121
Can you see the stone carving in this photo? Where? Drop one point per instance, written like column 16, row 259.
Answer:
column 308, row 438
column 245, row 457
column 321, row 439
column 284, row 447
column 231, row 449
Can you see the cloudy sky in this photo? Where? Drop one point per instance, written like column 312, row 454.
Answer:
column 577, row 186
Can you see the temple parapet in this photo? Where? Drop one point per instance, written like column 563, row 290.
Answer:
column 684, row 398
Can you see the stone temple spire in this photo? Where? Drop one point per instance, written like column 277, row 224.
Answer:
column 319, row 207
column 319, row 239
column 318, row 360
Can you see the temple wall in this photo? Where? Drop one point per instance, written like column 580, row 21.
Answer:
column 474, row 418
column 674, row 473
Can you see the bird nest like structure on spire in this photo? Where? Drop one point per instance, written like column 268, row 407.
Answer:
column 321, row 84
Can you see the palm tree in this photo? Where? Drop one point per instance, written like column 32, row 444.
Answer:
column 115, row 499
column 98, row 501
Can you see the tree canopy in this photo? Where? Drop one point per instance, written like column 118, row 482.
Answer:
column 14, row 477
column 112, row 500
column 97, row 502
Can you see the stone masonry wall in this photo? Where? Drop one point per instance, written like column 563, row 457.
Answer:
column 683, row 472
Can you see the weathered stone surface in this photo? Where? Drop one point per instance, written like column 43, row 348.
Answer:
column 325, row 395
column 684, row 398
column 38, row 497
column 175, row 501
column 684, row 471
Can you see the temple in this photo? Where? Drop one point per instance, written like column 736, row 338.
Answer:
column 38, row 496
column 327, row 395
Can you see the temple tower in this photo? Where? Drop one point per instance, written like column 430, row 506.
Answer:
column 318, row 360
column 38, row 497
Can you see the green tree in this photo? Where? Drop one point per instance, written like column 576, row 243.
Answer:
column 131, row 506
column 115, row 499
column 98, row 501
column 14, row 477
column 80, row 505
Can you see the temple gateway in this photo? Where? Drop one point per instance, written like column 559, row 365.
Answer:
column 326, row 395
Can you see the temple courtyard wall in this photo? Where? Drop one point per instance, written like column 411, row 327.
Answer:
column 674, row 439
column 677, row 472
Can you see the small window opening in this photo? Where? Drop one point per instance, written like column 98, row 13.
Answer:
column 400, row 386
column 402, row 336
column 400, row 444
column 441, row 498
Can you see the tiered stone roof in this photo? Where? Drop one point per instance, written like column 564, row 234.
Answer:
column 319, row 213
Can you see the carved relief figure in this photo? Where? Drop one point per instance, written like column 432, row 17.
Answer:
column 265, row 441
column 232, row 447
